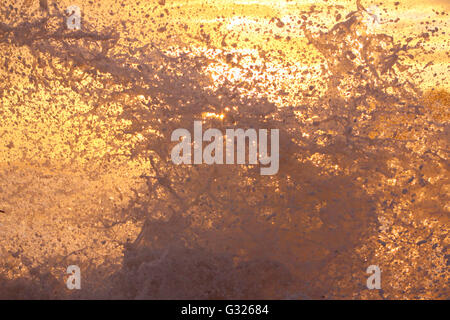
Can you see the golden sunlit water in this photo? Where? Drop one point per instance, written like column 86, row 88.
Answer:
column 358, row 89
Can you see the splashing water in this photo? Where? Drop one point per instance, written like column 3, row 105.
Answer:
column 354, row 127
